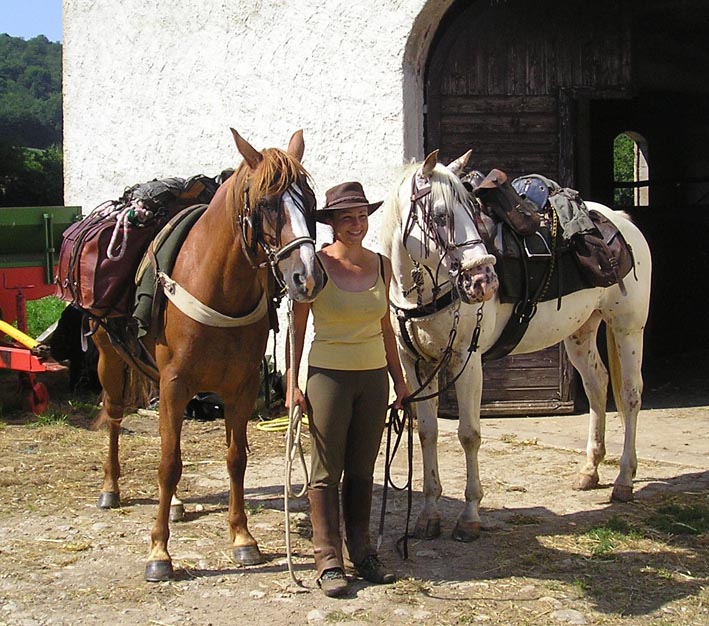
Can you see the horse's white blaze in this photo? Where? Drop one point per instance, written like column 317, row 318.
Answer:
column 576, row 324
column 300, row 267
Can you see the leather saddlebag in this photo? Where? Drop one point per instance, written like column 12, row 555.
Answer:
column 603, row 255
column 87, row 276
column 502, row 202
column 103, row 283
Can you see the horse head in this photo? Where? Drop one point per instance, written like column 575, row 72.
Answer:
column 439, row 232
column 275, row 207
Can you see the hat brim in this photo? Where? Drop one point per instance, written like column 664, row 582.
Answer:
column 322, row 215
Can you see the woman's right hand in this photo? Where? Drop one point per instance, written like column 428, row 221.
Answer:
column 298, row 398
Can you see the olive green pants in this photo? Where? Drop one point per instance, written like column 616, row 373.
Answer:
column 346, row 414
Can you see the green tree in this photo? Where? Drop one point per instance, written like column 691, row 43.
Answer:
column 30, row 122
column 623, row 169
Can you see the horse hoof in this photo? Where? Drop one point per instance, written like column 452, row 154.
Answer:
column 429, row 529
column 466, row 531
column 622, row 493
column 177, row 512
column 586, row 482
column 248, row 555
column 109, row 500
column 159, row 571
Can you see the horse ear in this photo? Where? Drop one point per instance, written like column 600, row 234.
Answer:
column 429, row 164
column 252, row 156
column 296, row 145
column 459, row 164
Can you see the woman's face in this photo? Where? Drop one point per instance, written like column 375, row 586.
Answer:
column 350, row 225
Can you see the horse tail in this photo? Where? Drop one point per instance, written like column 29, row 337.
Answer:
column 125, row 387
column 614, row 365
column 139, row 389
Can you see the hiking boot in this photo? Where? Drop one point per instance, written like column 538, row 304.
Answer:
column 373, row 570
column 333, row 582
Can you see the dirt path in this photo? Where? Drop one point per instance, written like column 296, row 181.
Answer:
column 547, row 555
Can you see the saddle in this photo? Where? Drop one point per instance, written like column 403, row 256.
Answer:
column 100, row 254
column 564, row 249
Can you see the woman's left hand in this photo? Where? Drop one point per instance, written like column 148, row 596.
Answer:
column 402, row 392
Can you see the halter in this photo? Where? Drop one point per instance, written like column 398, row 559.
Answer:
column 251, row 219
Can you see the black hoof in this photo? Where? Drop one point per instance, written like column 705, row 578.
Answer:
column 248, row 555
column 109, row 500
column 429, row 530
column 159, row 571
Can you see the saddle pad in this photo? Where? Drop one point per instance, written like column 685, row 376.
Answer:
column 169, row 242
column 566, row 277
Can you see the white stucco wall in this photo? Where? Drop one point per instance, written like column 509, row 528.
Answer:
column 151, row 88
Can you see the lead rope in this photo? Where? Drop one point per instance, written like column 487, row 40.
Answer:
column 294, row 448
column 406, row 422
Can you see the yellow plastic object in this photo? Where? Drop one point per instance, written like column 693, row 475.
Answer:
column 18, row 335
column 277, row 424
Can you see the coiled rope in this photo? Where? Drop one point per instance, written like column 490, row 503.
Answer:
column 294, row 449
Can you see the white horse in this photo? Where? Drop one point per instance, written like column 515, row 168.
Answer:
column 431, row 237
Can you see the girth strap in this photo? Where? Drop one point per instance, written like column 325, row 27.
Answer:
column 526, row 308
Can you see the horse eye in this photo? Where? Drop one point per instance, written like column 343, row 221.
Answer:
column 268, row 205
column 440, row 216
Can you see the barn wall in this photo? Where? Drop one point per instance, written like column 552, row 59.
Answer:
column 151, row 89
column 150, row 92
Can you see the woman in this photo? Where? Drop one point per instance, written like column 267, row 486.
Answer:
column 347, row 388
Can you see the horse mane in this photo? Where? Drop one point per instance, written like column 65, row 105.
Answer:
column 391, row 210
column 277, row 171
column 444, row 184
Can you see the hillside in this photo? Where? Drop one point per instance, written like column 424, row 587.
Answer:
column 30, row 122
column 30, row 91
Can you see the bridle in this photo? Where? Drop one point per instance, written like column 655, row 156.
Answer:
column 421, row 215
column 251, row 221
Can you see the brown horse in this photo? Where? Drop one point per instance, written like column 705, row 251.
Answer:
column 262, row 216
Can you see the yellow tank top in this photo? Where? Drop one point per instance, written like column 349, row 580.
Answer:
column 348, row 330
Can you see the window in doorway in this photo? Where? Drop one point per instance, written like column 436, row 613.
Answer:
column 630, row 171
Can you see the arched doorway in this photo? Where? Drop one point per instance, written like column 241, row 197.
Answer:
column 547, row 87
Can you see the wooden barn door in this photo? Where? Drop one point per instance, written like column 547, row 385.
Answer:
column 498, row 82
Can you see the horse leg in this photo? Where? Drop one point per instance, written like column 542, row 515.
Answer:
column 469, row 393
column 625, row 350
column 173, row 400
column 583, row 353
column 428, row 523
column 113, row 376
column 237, row 411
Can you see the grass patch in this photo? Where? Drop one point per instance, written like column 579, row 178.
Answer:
column 42, row 313
column 605, row 539
column 50, row 418
column 676, row 519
